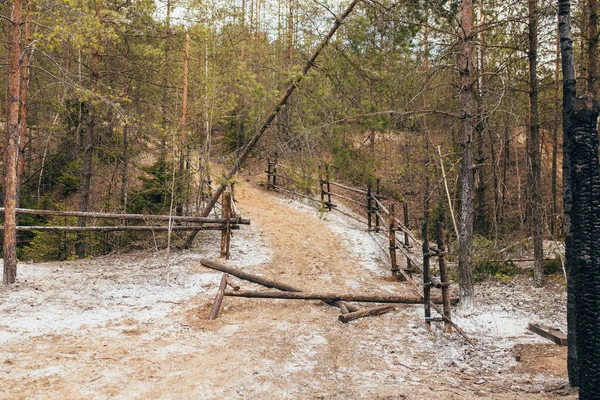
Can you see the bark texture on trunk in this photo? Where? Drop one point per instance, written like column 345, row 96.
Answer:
column 467, row 101
column 12, row 150
column 535, row 157
column 25, row 72
column 585, row 228
column 164, row 105
column 568, row 70
column 89, row 140
column 592, row 53
column 555, row 131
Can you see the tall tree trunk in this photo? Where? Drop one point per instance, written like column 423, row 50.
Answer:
column 426, row 161
column 592, row 48
column 183, row 153
column 585, row 223
column 505, row 167
column 481, row 211
column 467, row 101
column 12, row 150
column 535, row 157
column 569, row 91
column 125, row 154
column 25, row 71
column 89, row 141
column 554, row 217
column 164, row 107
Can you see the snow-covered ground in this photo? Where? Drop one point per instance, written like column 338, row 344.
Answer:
column 155, row 318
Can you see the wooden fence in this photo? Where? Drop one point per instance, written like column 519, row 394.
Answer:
column 382, row 217
column 226, row 223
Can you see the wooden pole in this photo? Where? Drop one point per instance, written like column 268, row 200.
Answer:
column 345, row 318
column 406, row 237
column 392, row 235
column 426, row 278
column 447, row 192
column 321, row 184
column 140, row 217
column 132, row 228
column 226, row 233
column 262, row 281
column 274, row 170
column 328, row 175
column 331, row 297
column 369, row 208
column 214, row 312
column 441, row 243
column 269, row 186
column 377, row 208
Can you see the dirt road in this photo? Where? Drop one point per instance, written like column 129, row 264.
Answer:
column 112, row 328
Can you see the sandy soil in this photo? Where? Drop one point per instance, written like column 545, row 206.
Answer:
column 116, row 327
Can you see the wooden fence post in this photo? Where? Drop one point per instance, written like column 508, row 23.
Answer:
column 321, row 183
column 328, row 175
column 369, row 207
column 378, row 197
column 426, row 277
column 406, row 237
column 441, row 243
column 216, row 307
column 275, row 171
column 392, row 234
column 269, row 173
column 226, row 233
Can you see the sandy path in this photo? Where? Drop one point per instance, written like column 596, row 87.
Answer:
column 257, row 348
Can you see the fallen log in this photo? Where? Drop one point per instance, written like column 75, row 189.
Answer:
column 345, row 318
column 232, row 285
column 365, row 298
column 264, row 281
column 549, row 333
column 214, row 312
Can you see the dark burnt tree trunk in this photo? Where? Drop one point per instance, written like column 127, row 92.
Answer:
column 535, row 157
column 89, row 140
column 467, row 100
column 568, row 71
column 585, row 228
column 12, row 149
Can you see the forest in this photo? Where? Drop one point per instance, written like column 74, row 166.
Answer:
column 479, row 114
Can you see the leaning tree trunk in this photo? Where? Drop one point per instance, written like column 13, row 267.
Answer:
column 11, row 150
column 585, row 225
column 568, row 70
column 280, row 105
column 467, row 100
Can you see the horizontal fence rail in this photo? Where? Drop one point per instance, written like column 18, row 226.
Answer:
column 139, row 217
